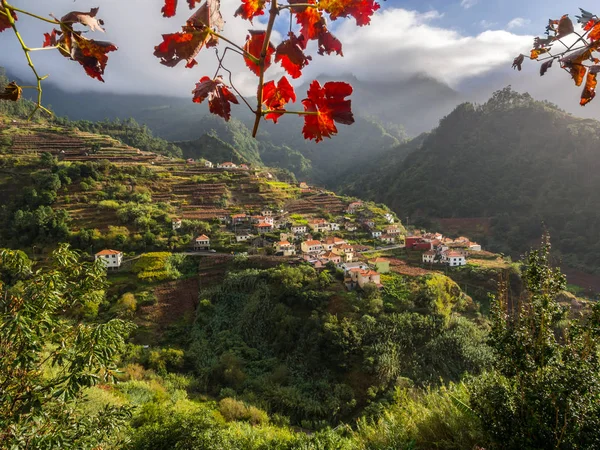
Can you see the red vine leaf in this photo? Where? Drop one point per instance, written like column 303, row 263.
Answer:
column 594, row 34
column 589, row 90
column 12, row 92
column 4, row 22
column 51, row 39
column 218, row 94
column 330, row 106
column 195, row 35
column 169, row 9
column 361, row 10
column 310, row 20
column 254, row 45
column 85, row 18
column 573, row 62
column 291, row 55
column 328, row 43
column 92, row 55
column 276, row 96
column 249, row 9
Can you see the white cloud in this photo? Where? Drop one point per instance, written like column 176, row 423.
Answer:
column 486, row 24
column 468, row 3
column 518, row 22
column 407, row 43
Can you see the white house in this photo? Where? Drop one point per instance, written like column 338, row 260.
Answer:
column 352, row 207
column 475, row 247
column 376, row 234
column 312, row 247
column 389, row 218
column 429, row 257
column 243, row 236
column 177, row 223
column 227, row 165
column 208, row 164
column 202, row 243
column 388, row 238
column 351, row 226
column 264, row 227
column 334, row 226
column 454, row 259
column 347, row 267
column 299, row 229
column 112, row 259
column 392, row 229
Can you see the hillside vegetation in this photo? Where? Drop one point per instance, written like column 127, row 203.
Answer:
column 511, row 166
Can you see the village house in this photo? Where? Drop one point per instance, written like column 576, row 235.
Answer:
column 299, row 229
column 381, row 265
column 331, row 242
column 303, row 185
column 243, row 236
column 334, row 226
column 363, row 277
column 177, row 224
column 264, row 227
column 388, row 238
column 353, row 207
column 227, row 165
column 429, row 257
column 347, row 267
column 454, row 259
column 368, row 224
column 331, row 257
column 263, row 219
column 284, row 248
column 376, row 234
column 202, row 243
column 392, row 229
column 417, row 243
column 474, row 247
column 208, row 164
column 267, row 213
column 280, row 222
column 190, row 161
column 244, row 167
column 347, row 257
column 389, row 217
column 112, row 259
column 318, row 225
column 311, row 247
column 237, row 219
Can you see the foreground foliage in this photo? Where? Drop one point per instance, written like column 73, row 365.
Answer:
column 47, row 361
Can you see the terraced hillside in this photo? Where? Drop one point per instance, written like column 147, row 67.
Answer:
column 113, row 193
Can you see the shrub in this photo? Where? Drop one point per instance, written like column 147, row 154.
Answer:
column 235, row 410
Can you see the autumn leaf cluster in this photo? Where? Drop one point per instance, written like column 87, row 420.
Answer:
column 574, row 47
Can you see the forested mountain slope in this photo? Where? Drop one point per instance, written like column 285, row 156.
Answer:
column 514, row 164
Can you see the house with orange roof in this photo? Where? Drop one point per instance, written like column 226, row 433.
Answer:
column 353, row 207
column 264, row 227
column 319, row 225
column 227, row 165
column 202, row 242
column 331, row 242
column 429, row 257
column 112, row 259
column 331, row 257
column 361, row 278
column 311, row 247
column 388, row 238
column 299, row 229
column 176, row 223
column 284, row 248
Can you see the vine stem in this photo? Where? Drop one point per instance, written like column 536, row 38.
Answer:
column 297, row 113
column 298, row 5
column 273, row 12
column 246, row 54
column 27, row 13
column 8, row 8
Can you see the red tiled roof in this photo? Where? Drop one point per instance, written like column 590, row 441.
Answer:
column 454, row 254
column 108, row 252
column 283, row 243
column 264, row 225
column 203, row 238
column 312, row 243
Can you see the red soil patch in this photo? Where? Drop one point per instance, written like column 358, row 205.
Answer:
column 588, row 281
column 402, row 267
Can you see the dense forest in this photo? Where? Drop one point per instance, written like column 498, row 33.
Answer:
column 516, row 163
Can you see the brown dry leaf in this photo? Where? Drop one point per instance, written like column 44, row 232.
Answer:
column 545, row 67
column 88, row 19
column 12, row 92
column 589, row 90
